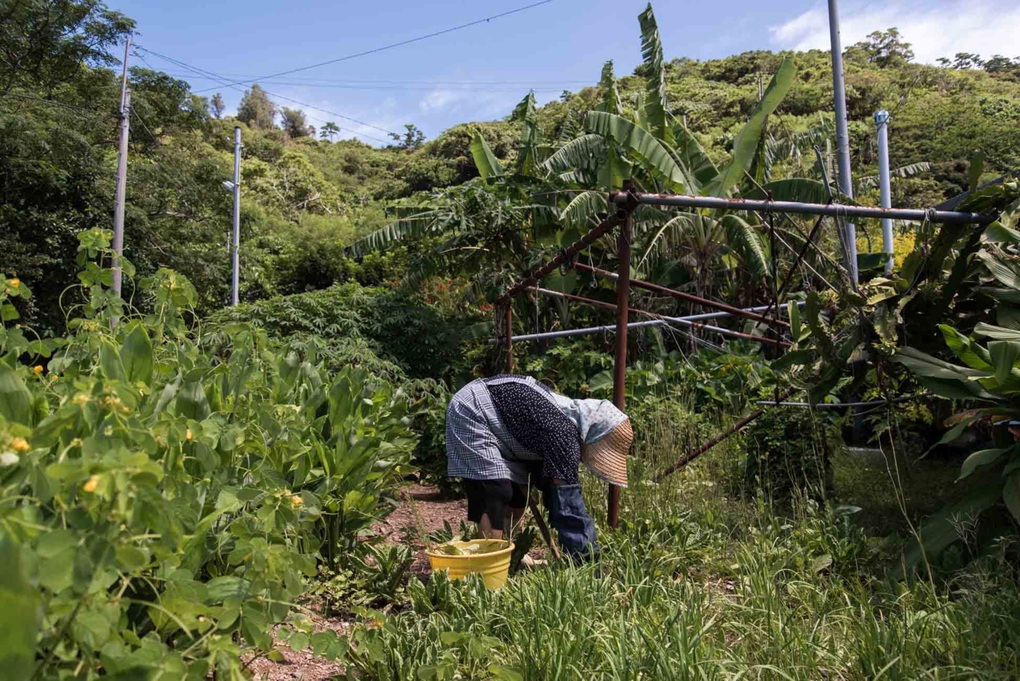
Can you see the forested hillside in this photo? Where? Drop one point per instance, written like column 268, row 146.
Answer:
column 307, row 198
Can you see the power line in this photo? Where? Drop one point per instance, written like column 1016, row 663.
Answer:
column 381, row 85
column 391, row 45
column 373, row 81
column 225, row 83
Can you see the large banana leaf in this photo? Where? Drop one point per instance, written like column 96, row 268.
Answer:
column 656, row 105
column 527, row 152
column 747, row 139
column 581, row 153
column 610, row 94
column 742, row 238
column 396, row 231
column 795, row 189
column 486, row 162
column 693, row 155
column 643, row 146
column 670, row 232
column 583, row 208
column 614, row 169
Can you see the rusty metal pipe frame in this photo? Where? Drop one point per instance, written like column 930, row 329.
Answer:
column 620, row 362
column 832, row 210
column 564, row 257
column 663, row 318
column 697, row 300
column 607, row 328
column 736, row 427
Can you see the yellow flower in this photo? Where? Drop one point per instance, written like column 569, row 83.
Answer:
column 188, row 435
column 91, row 484
column 15, row 282
column 20, row 444
column 296, row 500
column 37, row 368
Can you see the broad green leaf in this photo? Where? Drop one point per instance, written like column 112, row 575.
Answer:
column 1003, row 272
column 109, row 360
column 136, row 354
column 997, row 332
column 798, row 189
column 747, row 139
column 977, row 167
column 1011, row 495
column 642, row 145
column 15, row 398
column 943, row 378
column 700, row 167
column 980, row 458
column 130, row 558
column 939, row 531
column 610, row 93
column 746, row 240
column 20, row 614
column 486, row 162
column 656, row 104
column 583, row 209
column 191, row 400
column 1004, row 355
column 527, row 149
column 972, row 354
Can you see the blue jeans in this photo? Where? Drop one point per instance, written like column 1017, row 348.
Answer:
column 570, row 519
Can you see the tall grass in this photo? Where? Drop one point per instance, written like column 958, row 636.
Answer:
column 700, row 584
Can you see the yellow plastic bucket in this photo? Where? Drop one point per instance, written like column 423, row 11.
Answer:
column 493, row 567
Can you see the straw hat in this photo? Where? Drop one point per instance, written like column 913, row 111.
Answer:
column 607, row 456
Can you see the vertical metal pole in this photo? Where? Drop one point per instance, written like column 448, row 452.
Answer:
column 121, row 196
column 508, row 320
column 622, row 314
column 882, row 129
column 846, row 185
column 235, row 283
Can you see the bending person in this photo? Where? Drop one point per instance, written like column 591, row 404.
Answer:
column 508, row 432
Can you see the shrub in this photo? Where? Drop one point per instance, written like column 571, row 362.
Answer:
column 165, row 496
column 789, row 453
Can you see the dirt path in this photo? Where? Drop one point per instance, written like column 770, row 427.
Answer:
column 418, row 504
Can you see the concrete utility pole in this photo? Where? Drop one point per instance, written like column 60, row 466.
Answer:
column 846, row 185
column 121, row 196
column 884, row 183
column 236, row 246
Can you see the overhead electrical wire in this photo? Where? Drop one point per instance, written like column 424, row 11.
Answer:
column 225, row 82
column 391, row 46
column 383, row 87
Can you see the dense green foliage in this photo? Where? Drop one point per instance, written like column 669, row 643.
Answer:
column 305, row 199
column 179, row 480
column 166, row 495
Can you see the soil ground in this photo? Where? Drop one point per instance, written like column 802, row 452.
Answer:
column 422, row 508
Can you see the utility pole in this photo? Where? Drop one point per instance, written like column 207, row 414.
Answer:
column 236, row 246
column 846, row 186
column 882, row 130
column 121, row 196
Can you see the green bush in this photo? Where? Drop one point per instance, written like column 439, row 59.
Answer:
column 789, row 453
column 165, row 496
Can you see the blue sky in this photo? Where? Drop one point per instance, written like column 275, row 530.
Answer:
column 480, row 72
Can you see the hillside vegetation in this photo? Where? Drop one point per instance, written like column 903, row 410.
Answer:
column 306, row 199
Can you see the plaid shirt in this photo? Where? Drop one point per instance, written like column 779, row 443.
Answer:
column 478, row 444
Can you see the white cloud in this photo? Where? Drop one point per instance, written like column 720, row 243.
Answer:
column 440, row 99
column 935, row 28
